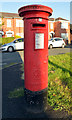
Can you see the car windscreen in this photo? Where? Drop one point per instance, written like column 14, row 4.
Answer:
column 58, row 39
column 20, row 39
column 51, row 39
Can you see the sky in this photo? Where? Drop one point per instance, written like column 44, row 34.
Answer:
column 60, row 8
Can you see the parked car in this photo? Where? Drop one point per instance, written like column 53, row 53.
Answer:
column 17, row 44
column 56, row 42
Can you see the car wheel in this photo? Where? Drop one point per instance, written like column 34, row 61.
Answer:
column 62, row 45
column 50, row 46
column 10, row 49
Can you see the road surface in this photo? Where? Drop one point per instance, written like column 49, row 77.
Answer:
column 16, row 57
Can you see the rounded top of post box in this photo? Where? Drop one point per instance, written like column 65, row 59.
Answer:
column 22, row 11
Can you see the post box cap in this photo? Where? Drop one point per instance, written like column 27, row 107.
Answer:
column 29, row 8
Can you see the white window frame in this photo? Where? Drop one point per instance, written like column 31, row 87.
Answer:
column 65, row 35
column 19, row 23
column 64, row 25
column 8, row 23
column 20, row 34
column 51, row 25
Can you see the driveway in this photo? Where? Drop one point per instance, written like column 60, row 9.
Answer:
column 18, row 56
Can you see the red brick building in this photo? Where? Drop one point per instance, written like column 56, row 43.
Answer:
column 59, row 28
column 13, row 25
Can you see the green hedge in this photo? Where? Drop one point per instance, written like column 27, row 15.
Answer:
column 6, row 40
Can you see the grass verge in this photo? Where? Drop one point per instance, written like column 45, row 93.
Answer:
column 59, row 82
column 16, row 93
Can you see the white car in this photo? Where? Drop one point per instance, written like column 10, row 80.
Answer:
column 56, row 42
column 17, row 44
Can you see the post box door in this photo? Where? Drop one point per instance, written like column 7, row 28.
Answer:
column 36, row 54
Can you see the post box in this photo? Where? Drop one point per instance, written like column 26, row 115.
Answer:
column 35, row 55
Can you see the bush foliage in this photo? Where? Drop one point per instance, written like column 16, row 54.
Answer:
column 8, row 39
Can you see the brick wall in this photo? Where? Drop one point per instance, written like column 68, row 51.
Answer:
column 13, row 27
column 57, row 29
column 71, row 38
column 53, row 27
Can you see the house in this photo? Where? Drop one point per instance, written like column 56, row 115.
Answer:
column 59, row 27
column 13, row 25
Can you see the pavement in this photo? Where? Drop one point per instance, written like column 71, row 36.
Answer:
column 15, row 107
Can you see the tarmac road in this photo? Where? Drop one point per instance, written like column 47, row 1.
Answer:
column 16, row 57
column 15, row 107
column 11, row 79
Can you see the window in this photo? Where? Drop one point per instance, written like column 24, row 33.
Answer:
column 9, row 34
column 64, row 25
column 57, row 39
column 19, row 23
column 19, row 40
column 20, row 34
column 51, row 38
column 8, row 23
column 51, row 25
column 64, row 36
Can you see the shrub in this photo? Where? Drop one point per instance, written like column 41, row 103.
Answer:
column 7, row 40
column 17, row 36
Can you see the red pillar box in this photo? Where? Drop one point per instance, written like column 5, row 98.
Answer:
column 35, row 55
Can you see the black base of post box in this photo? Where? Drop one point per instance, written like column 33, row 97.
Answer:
column 36, row 102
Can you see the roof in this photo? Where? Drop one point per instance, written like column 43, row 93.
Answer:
column 51, row 19
column 59, row 18
column 15, row 15
column 4, row 14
